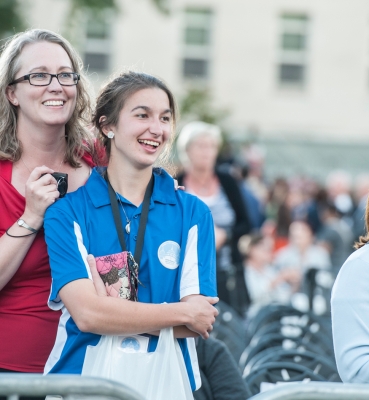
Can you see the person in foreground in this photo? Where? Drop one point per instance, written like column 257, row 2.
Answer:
column 350, row 311
column 44, row 106
column 135, row 115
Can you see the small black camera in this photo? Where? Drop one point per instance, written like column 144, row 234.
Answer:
column 62, row 183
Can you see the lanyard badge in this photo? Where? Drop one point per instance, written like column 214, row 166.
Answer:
column 119, row 271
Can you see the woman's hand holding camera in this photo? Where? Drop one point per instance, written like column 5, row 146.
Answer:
column 41, row 192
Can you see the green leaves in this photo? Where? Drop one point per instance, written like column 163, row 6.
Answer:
column 197, row 104
column 10, row 19
column 94, row 5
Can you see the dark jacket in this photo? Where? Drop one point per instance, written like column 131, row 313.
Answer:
column 220, row 376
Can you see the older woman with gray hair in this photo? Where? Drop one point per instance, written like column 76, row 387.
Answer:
column 198, row 147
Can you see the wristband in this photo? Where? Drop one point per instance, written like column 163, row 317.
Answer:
column 19, row 236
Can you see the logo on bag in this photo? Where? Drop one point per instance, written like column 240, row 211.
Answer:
column 168, row 254
column 130, row 345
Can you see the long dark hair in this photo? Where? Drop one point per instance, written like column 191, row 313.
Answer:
column 112, row 98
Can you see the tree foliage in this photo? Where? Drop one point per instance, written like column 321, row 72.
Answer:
column 100, row 5
column 162, row 5
column 11, row 21
column 94, row 6
column 197, row 105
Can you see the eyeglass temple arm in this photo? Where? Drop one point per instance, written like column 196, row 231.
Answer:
column 22, row 78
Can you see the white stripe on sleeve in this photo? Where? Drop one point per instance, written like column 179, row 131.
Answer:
column 190, row 270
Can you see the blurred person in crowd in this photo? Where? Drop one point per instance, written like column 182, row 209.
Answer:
column 350, row 311
column 335, row 235
column 265, row 283
column 338, row 185
column 277, row 210
column 298, row 201
column 268, row 230
column 254, row 207
column 319, row 199
column 301, row 253
column 361, row 191
column 198, row 147
column 44, row 108
column 254, row 156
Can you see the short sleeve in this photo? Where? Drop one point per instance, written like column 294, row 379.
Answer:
column 199, row 268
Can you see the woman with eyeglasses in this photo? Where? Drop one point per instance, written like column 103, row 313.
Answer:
column 44, row 106
column 152, row 244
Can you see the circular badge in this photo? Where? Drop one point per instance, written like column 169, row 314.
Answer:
column 168, row 254
column 130, row 345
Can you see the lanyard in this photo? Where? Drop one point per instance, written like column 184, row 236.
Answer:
column 143, row 219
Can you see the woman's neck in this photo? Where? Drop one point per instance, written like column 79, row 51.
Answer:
column 129, row 182
column 202, row 182
column 44, row 147
column 202, row 176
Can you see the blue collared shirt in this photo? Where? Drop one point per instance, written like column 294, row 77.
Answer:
column 178, row 257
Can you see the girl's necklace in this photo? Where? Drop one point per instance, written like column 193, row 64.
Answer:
column 128, row 225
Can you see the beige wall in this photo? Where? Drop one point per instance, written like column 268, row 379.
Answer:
column 335, row 101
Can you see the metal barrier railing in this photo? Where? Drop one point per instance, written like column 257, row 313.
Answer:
column 68, row 386
column 316, row 391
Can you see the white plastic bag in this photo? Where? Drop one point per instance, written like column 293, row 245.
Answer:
column 160, row 375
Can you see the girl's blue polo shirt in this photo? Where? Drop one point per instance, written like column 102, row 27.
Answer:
column 178, row 257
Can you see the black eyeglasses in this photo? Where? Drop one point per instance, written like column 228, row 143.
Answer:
column 44, row 79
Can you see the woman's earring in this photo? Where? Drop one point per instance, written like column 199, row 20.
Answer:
column 110, row 134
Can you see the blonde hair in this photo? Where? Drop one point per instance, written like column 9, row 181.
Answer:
column 79, row 139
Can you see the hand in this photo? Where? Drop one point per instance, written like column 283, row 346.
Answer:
column 101, row 289
column 176, row 187
column 40, row 193
column 202, row 314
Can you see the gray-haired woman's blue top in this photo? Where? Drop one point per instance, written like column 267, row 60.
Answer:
column 350, row 318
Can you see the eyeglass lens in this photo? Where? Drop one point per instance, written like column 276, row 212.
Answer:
column 65, row 78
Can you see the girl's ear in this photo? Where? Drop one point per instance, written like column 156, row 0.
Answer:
column 105, row 129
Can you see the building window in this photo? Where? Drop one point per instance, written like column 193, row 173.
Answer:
column 291, row 73
column 97, row 28
column 293, row 41
column 193, row 68
column 98, row 42
column 197, row 43
column 97, row 61
column 293, row 50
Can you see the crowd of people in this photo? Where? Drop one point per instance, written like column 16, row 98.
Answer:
column 288, row 226
column 228, row 231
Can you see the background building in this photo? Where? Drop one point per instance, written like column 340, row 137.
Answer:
column 293, row 75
